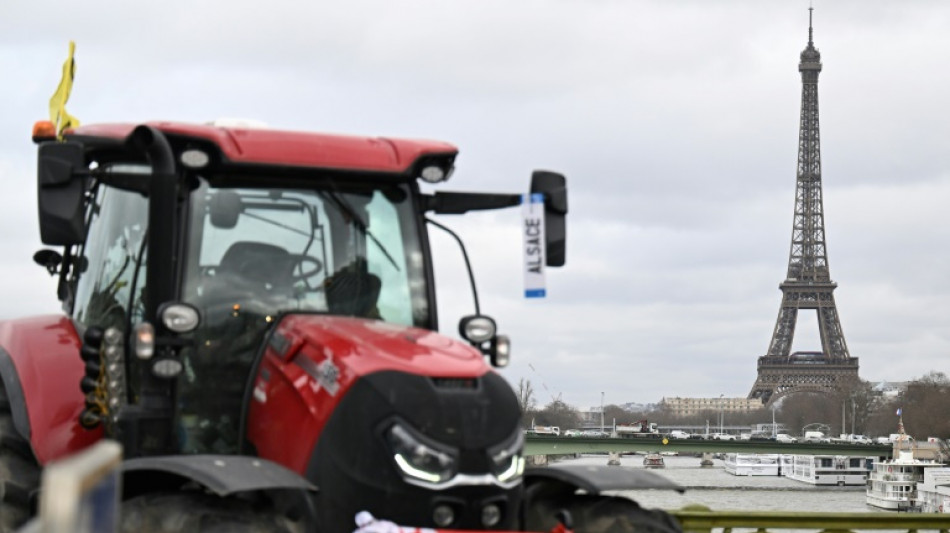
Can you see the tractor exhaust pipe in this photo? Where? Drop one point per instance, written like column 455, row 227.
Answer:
column 163, row 194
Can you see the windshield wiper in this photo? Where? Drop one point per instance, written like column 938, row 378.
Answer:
column 358, row 221
column 287, row 227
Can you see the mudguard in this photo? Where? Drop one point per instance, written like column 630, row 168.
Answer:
column 41, row 368
column 287, row 493
column 222, row 474
column 552, row 490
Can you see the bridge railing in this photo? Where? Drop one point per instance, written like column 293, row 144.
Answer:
column 698, row 519
column 539, row 445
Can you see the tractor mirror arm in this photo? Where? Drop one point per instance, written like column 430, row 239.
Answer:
column 456, row 203
column 551, row 184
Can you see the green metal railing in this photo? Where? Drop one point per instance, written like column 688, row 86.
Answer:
column 538, row 445
column 698, row 519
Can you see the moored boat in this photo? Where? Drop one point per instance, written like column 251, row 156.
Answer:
column 653, row 460
column 752, row 464
column 892, row 484
column 933, row 493
column 828, row 469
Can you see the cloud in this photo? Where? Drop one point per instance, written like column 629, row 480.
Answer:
column 676, row 124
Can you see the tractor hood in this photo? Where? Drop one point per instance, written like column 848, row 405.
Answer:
column 365, row 346
column 358, row 376
column 402, row 417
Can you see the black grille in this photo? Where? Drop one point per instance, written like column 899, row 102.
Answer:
column 456, row 383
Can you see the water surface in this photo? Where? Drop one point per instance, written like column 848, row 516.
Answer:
column 721, row 491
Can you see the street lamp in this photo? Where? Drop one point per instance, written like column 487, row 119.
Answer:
column 720, row 413
column 773, row 421
column 602, row 430
column 852, row 415
column 844, row 424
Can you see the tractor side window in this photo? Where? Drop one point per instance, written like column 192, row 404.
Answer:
column 112, row 272
column 388, row 261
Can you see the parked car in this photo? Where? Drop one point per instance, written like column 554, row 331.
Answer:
column 678, row 434
column 853, row 439
column 785, row 437
column 723, row 436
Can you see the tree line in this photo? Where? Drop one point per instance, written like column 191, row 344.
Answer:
column 923, row 405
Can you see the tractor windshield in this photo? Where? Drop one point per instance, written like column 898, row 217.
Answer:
column 331, row 250
column 254, row 253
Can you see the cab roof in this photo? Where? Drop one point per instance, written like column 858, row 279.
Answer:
column 253, row 145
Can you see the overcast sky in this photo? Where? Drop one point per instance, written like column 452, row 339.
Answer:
column 676, row 123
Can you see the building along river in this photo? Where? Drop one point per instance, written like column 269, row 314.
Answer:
column 715, row 488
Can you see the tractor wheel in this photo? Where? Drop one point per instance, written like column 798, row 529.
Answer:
column 19, row 471
column 194, row 511
column 601, row 514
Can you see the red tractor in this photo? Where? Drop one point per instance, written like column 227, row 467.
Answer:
column 251, row 313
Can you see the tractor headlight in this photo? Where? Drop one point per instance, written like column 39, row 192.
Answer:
column 435, row 168
column 507, row 463
column 420, row 459
column 143, row 340
column 195, row 158
column 114, row 359
column 500, row 351
column 179, row 317
column 166, row 367
column 432, row 174
column 477, row 328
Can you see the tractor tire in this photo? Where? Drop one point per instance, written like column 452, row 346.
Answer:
column 19, row 472
column 195, row 511
column 595, row 513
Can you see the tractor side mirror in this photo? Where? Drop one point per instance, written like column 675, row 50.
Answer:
column 554, row 188
column 225, row 209
column 60, row 189
column 48, row 259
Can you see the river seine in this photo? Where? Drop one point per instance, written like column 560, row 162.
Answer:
column 720, row 491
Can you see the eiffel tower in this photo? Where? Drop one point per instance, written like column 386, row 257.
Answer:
column 808, row 284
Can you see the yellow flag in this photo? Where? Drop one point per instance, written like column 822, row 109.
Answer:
column 57, row 103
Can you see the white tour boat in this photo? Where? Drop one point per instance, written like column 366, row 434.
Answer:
column 828, row 469
column 752, row 464
column 892, row 484
column 933, row 493
column 653, row 460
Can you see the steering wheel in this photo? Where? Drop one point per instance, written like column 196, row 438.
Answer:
column 305, row 266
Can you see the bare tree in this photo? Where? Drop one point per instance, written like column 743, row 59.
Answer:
column 805, row 408
column 526, row 395
column 924, row 406
column 558, row 413
column 882, row 419
column 615, row 413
